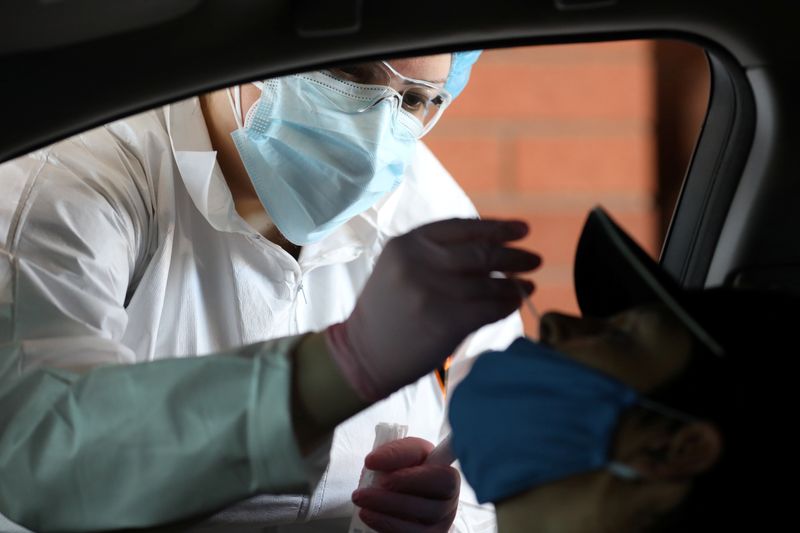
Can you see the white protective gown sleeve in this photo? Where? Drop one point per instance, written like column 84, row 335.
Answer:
column 87, row 443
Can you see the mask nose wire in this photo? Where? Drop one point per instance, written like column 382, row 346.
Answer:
column 390, row 93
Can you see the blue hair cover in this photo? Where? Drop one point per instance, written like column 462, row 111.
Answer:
column 460, row 68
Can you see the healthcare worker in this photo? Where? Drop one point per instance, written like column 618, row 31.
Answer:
column 220, row 222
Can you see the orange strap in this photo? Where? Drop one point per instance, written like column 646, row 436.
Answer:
column 441, row 375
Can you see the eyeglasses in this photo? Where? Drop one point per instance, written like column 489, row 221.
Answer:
column 422, row 100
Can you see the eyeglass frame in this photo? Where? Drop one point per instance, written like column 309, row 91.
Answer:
column 409, row 82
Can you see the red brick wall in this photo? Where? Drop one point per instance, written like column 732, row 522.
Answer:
column 544, row 134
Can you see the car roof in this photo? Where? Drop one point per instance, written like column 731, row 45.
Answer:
column 69, row 66
column 110, row 63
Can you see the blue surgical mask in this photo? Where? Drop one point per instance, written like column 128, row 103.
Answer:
column 528, row 416
column 318, row 156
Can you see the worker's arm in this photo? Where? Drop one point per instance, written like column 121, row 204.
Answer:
column 135, row 445
column 87, row 443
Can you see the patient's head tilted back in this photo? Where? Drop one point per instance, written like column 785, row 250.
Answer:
column 630, row 418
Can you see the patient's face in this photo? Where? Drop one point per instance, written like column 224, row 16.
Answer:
column 644, row 347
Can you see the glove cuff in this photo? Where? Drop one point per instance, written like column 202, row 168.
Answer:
column 350, row 363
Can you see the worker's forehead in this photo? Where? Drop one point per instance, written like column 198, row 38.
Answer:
column 430, row 68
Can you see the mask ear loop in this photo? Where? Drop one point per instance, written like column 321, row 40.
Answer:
column 623, row 471
column 627, row 472
column 235, row 99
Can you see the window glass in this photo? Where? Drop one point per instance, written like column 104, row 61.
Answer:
column 180, row 232
column 544, row 133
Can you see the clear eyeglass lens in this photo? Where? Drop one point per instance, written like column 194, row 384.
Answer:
column 423, row 103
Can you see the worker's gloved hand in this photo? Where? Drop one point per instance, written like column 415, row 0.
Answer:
column 408, row 496
column 430, row 289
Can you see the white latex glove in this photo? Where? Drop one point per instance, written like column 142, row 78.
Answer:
column 430, row 289
column 410, row 495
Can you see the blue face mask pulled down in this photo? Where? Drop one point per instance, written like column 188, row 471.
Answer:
column 318, row 155
column 528, row 415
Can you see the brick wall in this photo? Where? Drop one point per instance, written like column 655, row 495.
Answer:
column 544, row 134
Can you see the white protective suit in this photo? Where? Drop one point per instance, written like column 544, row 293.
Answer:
column 122, row 245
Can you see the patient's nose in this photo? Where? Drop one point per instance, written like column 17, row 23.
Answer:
column 556, row 328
